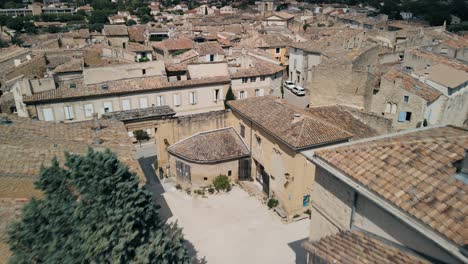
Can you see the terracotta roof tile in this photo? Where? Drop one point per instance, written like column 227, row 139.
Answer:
column 423, row 161
column 211, row 146
column 182, row 43
column 412, row 85
column 115, row 30
column 354, row 247
column 278, row 118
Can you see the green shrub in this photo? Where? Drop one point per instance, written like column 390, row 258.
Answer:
column 222, row 183
column 178, row 187
column 199, row 192
column 188, row 191
column 211, row 190
column 272, row 203
column 308, row 212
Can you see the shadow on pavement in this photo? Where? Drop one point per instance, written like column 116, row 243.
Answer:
column 153, row 184
column 301, row 257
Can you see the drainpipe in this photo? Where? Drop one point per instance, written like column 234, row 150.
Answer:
column 353, row 210
column 251, row 158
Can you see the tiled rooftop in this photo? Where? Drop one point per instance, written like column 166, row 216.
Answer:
column 126, row 86
column 210, row 47
column 278, row 118
column 145, row 113
column 414, row 172
column 211, row 146
column 340, row 117
column 412, row 85
column 115, row 30
column 173, row 44
column 25, row 144
column 354, row 247
column 259, row 68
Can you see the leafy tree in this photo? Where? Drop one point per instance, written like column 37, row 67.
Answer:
column 143, row 11
column 98, row 17
column 3, row 20
column 145, row 19
column 93, row 212
column 229, row 96
column 131, row 22
column 15, row 23
column 16, row 40
column 141, row 135
column 96, row 27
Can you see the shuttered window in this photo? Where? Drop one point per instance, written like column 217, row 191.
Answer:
column 125, row 105
column 192, row 98
column 160, row 100
column 143, row 103
column 107, row 107
column 176, row 98
column 88, row 110
column 68, row 112
column 48, row 114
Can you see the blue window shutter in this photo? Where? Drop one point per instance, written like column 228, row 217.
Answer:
column 402, row 116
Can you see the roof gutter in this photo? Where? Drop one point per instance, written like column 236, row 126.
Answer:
column 415, row 224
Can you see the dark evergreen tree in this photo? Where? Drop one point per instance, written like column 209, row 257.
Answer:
column 93, row 212
column 229, row 96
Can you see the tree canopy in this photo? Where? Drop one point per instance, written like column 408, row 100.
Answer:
column 93, row 211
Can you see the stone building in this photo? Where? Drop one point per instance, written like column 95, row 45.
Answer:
column 276, row 133
column 197, row 160
column 406, row 101
column 116, row 35
column 274, row 44
column 397, row 195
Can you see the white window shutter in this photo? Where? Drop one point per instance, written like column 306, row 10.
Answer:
column 261, row 92
column 48, row 114
column 108, row 105
column 239, row 95
column 68, row 112
column 125, row 105
column 143, row 103
column 191, row 99
column 221, row 94
column 195, row 99
column 89, row 110
column 214, row 96
column 245, row 94
column 207, row 57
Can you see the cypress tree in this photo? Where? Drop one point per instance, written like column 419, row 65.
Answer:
column 229, row 96
column 105, row 218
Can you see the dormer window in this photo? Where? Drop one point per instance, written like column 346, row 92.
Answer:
column 105, row 86
column 72, row 85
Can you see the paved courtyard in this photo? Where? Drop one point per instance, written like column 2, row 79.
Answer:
column 235, row 228
column 299, row 101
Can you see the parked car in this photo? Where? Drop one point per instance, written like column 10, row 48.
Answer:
column 299, row 91
column 288, row 85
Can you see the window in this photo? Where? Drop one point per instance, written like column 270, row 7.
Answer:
column 88, row 110
column 160, row 100
column 48, row 114
column 229, row 173
column 443, row 51
column 406, row 98
column 394, row 108
column 242, row 94
column 143, row 103
column 262, row 78
column 388, row 108
column 259, row 92
column 104, row 86
column 176, row 99
column 244, row 80
column 216, row 95
column 404, row 116
column 278, row 50
column 259, row 139
column 143, row 71
column 253, row 79
column 211, row 57
column 107, row 107
column 125, row 105
column 68, row 112
column 72, row 85
column 192, row 98
column 242, row 131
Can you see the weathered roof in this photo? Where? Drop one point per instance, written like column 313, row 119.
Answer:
column 446, row 75
column 210, row 47
column 413, row 85
column 126, row 86
column 137, row 47
column 137, row 33
column 25, row 144
column 340, row 117
column 115, row 30
column 282, row 15
column 414, row 172
column 211, row 146
column 278, row 118
column 259, row 68
column 139, row 114
column 75, row 65
column 81, row 33
column 266, row 41
column 354, row 247
column 181, row 43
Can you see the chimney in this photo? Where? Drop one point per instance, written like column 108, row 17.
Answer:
column 297, row 117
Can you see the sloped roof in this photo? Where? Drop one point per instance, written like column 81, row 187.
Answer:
column 354, row 247
column 412, row 85
column 115, row 30
column 340, row 117
column 278, row 118
column 211, row 146
column 137, row 33
column 26, row 144
column 181, row 43
column 259, row 68
column 266, row 41
column 414, row 172
column 210, row 47
column 75, row 65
